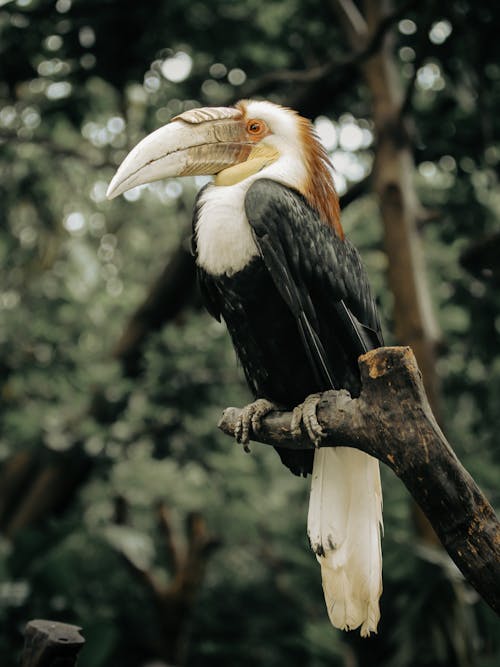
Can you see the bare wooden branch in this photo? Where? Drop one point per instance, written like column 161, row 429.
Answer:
column 51, row 644
column 392, row 421
column 317, row 85
column 171, row 541
column 174, row 600
column 301, row 76
column 43, row 482
column 352, row 18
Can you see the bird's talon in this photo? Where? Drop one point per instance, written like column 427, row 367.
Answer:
column 249, row 420
column 305, row 414
column 314, row 429
column 258, row 416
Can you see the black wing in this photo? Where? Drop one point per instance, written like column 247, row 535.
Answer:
column 320, row 277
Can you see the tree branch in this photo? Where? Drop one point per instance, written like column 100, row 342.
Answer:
column 353, row 20
column 170, row 541
column 392, row 421
column 175, row 599
column 268, row 80
column 331, row 75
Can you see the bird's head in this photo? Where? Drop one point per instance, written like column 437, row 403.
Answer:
column 234, row 144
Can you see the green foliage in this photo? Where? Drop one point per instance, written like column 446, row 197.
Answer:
column 80, row 82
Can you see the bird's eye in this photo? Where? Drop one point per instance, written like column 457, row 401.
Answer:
column 256, row 127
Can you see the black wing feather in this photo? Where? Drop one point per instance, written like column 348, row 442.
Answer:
column 311, row 266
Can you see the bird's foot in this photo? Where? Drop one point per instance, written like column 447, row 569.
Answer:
column 305, row 414
column 249, row 420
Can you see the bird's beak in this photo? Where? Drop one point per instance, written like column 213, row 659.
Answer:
column 199, row 141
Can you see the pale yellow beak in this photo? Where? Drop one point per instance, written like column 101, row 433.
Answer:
column 199, row 141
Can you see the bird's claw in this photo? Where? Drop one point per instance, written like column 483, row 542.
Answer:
column 249, row 420
column 305, row 414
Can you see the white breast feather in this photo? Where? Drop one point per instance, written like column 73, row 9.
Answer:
column 224, row 238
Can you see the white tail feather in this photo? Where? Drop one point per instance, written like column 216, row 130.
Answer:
column 344, row 524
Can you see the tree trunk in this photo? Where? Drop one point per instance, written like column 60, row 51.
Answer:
column 393, row 176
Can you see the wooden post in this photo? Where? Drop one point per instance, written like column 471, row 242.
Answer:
column 51, row 644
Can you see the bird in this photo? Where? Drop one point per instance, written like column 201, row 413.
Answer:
column 273, row 262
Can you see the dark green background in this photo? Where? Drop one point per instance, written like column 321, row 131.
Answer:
column 79, row 83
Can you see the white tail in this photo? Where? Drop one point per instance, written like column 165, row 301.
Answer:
column 344, row 525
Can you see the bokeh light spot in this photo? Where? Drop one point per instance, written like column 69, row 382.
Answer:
column 178, row 67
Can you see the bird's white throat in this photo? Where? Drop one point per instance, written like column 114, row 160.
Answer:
column 224, row 238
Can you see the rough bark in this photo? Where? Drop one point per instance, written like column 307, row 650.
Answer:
column 393, row 421
column 51, row 644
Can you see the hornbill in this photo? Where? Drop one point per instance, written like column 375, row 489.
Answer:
column 273, row 262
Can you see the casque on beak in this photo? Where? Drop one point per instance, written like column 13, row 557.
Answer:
column 199, row 141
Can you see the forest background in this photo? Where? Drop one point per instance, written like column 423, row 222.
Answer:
column 122, row 508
